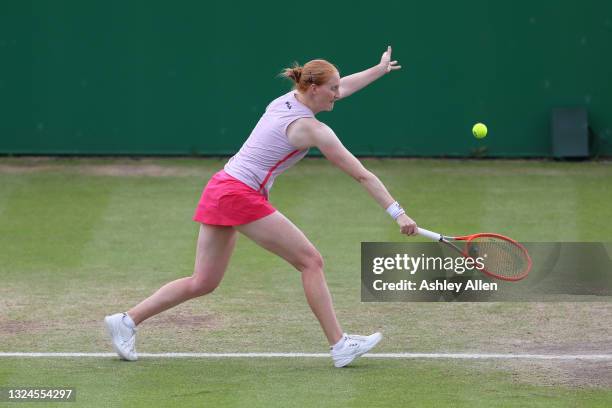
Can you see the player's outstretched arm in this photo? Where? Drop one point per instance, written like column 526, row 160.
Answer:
column 352, row 83
column 306, row 133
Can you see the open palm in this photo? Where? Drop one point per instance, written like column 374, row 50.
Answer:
column 386, row 63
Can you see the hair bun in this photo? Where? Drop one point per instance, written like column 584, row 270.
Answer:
column 296, row 74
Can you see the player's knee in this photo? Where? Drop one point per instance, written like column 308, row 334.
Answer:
column 312, row 261
column 201, row 287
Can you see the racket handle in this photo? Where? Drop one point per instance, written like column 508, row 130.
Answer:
column 429, row 234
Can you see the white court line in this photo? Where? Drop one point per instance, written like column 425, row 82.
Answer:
column 468, row 356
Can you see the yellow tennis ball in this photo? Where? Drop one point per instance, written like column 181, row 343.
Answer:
column 479, row 130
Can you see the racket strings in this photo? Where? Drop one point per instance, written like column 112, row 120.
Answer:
column 500, row 257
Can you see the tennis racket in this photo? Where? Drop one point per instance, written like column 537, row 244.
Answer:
column 503, row 258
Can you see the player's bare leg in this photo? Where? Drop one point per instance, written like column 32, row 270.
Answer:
column 214, row 249
column 279, row 235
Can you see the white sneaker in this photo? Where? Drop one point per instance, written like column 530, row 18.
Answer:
column 122, row 336
column 354, row 346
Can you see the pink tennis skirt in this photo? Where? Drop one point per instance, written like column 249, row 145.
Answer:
column 228, row 201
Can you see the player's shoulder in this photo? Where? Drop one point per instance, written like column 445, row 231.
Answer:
column 308, row 126
column 312, row 124
column 308, row 132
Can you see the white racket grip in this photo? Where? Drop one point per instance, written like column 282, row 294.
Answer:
column 429, row 234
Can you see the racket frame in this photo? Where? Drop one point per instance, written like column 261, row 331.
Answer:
column 465, row 252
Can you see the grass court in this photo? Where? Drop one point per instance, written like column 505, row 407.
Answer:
column 81, row 238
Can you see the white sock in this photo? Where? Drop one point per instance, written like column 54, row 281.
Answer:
column 128, row 321
column 340, row 343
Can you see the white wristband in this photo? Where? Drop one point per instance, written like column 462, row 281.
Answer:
column 395, row 210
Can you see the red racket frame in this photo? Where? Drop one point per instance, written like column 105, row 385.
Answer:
column 470, row 238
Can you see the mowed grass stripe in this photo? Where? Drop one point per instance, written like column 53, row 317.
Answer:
column 509, row 207
column 47, row 220
column 147, row 233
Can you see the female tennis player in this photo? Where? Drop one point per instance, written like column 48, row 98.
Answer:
column 236, row 200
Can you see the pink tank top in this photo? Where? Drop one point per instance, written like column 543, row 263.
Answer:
column 267, row 152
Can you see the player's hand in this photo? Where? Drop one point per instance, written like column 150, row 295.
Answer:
column 407, row 225
column 385, row 62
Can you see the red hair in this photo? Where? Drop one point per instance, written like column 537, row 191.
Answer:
column 317, row 72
